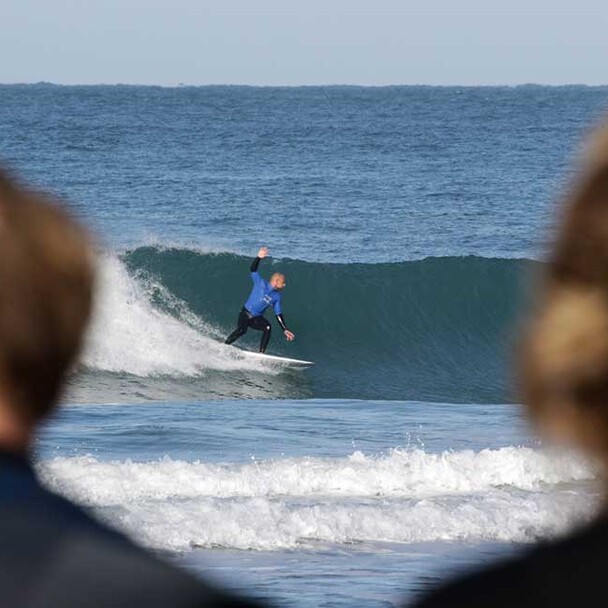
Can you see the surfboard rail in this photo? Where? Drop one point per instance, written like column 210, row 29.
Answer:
column 285, row 361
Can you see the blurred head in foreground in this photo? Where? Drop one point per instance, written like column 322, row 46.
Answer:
column 563, row 378
column 46, row 283
column 564, row 363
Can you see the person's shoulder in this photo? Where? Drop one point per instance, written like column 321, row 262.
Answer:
column 52, row 553
column 111, row 571
column 553, row 573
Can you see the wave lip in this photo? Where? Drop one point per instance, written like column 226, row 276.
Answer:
column 405, row 496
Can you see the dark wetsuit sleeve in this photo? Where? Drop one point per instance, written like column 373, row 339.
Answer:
column 255, row 264
column 281, row 321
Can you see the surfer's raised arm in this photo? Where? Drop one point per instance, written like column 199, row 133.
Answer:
column 262, row 253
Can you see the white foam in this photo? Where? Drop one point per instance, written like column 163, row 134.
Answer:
column 279, row 524
column 130, row 334
column 406, row 496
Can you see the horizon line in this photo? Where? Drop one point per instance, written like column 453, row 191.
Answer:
column 182, row 85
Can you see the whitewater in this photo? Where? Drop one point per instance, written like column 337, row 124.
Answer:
column 313, row 481
column 501, row 495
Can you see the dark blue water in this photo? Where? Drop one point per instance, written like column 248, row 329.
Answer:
column 318, row 173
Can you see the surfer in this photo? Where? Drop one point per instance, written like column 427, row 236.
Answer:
column 263, row 294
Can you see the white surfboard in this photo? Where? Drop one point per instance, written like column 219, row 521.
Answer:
column 284, row 361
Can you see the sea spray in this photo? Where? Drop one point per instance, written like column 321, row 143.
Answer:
column 132, row 333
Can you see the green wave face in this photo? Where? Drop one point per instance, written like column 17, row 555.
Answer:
column 438, row 329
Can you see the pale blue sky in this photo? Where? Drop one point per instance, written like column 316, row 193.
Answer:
column 274, row 42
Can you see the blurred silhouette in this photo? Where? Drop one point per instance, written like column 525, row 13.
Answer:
column 52, row 553
column 564, row 386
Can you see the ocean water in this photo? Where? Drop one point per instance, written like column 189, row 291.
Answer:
column 411, row 223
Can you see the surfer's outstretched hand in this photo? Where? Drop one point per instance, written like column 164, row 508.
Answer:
column 289, row 335
column 263, row 252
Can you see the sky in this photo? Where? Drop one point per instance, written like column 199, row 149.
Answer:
column 282, row 42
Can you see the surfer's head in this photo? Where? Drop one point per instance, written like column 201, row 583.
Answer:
column 277, row 281
column 564, row 367
column 46, row 279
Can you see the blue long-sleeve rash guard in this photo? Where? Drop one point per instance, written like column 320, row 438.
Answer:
column 263, row 295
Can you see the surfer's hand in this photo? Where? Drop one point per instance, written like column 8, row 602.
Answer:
column 263, row 252
column 289, row 335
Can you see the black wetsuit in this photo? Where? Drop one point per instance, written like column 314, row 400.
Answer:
column 252, row 314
